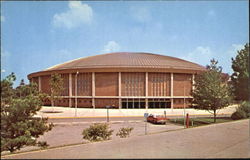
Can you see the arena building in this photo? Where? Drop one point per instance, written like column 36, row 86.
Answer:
column 124, row 80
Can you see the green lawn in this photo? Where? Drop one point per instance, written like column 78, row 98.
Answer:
column 199, row 121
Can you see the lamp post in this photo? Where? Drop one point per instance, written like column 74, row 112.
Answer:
column 76, row 94
column 108, row 112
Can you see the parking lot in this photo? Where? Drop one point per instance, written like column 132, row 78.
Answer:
column 66, row 133
column 211, row 141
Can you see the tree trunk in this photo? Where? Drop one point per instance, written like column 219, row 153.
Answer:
column 52, row 104
column 11, row 149
column 214, row 116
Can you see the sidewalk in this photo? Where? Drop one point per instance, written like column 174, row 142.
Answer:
column 65, row 112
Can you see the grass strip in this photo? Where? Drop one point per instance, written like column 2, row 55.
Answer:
column 200, row 121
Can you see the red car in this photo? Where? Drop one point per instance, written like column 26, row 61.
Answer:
column 157, row 119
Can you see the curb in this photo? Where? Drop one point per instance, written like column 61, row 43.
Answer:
column 127, row 116
column 111, row 122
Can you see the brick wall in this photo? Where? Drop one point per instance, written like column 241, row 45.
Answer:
column 82, row 102
column 62, row 102
column 159, row 84
column 101, row 103
column 35, row 80
column 45, row 87
column 133, row 84
column 179, row 103
column 65, row 78
column 84, row 83
column 181, row 80
column 106, row 84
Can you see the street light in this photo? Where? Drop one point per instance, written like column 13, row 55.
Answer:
column 76, row 94
column 108, row 112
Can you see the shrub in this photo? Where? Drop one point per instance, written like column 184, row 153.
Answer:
column 245, row 107
column 124, row 132
column 243, row 111
column 42, row 144
column 238, row 115
column 97, row 132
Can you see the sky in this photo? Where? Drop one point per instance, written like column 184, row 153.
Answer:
column 36, row 35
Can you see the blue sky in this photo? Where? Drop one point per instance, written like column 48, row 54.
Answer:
column 37, row 35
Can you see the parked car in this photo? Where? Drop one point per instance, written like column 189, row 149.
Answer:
column 157, row 119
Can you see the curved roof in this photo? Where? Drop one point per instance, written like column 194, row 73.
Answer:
column 124, row 62
column 127, row 60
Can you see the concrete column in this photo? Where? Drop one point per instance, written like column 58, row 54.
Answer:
column 39, row 84
column 76, row 94
column 119, row 84
column 70, row 89
column 146, row 89
column 120, row 103
column 172, row 103
column 193, row 82
column 172, row 90
column 146, row 84
column 93, row 102
column 120, row 89
column 93, row 89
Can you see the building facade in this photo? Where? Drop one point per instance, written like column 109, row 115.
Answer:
column 124, row 80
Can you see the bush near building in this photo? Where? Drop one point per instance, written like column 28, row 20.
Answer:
column 243, row 111
column 124, row 132
column 97, row 132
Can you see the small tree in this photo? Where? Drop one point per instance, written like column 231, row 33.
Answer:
column 18, row 127
column 56, row 85
column 211, row 92
column 240, row 77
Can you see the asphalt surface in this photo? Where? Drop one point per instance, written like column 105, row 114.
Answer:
column 224, row 140
column 114, row 119
column 104, row 119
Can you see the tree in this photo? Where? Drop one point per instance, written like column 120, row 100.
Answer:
column 18, row 126
column 7, row 91
column 211, row 91
column 56, row 85
column 240, row 77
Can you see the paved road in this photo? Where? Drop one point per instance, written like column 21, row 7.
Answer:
column 113, row 119
column 225, row 140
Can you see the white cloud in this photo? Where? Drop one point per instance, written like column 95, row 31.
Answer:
column 111, row 46
column 2, row 18
column 141, row 14
column 77, row 15
column 2, row 70
column 201, row 55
